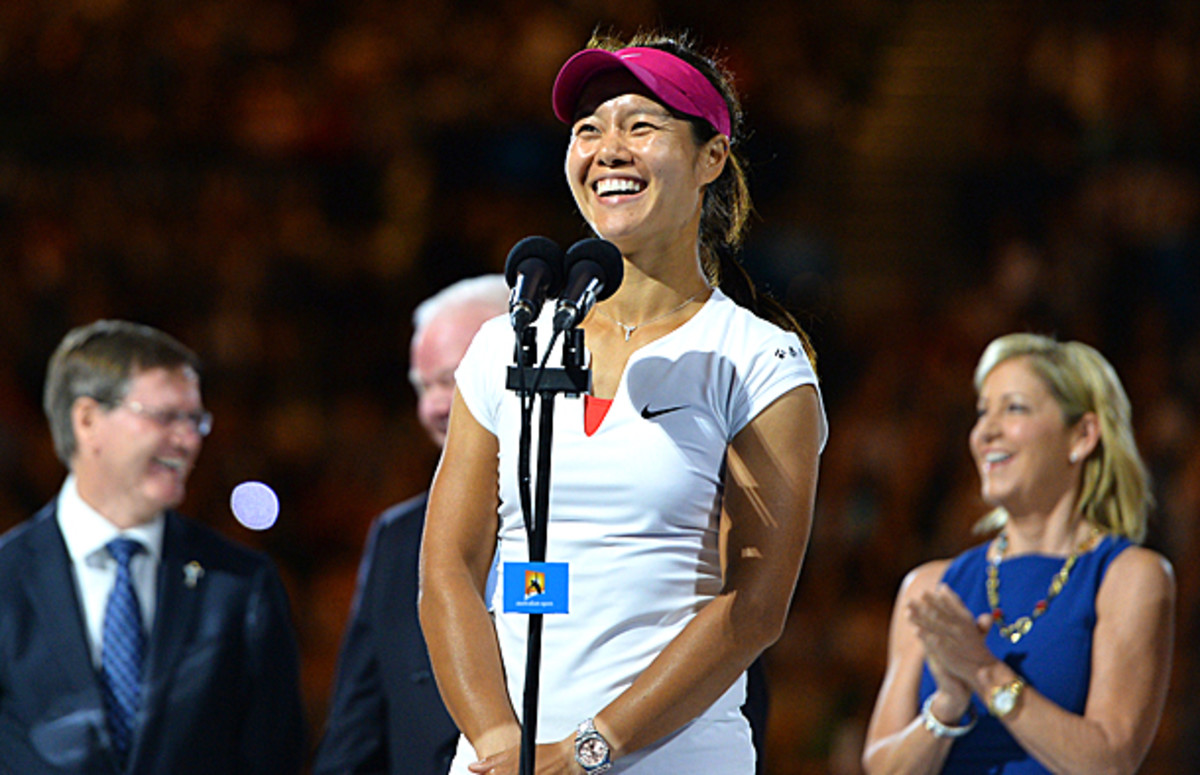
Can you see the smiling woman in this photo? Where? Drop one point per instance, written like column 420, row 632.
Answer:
column 686, row 91
column 1047, row 649
column 1021, row 445
column 691, row 466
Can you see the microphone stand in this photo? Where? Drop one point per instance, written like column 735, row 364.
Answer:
column 572, row 380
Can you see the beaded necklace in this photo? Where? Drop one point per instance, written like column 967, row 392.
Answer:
column 1018, row 629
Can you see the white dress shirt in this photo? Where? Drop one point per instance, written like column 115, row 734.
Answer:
column 86, row 533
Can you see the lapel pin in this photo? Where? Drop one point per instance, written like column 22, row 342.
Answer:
column 192, row 573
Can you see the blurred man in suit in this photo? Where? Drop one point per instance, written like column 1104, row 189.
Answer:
column 386, row 715
column 133, row 640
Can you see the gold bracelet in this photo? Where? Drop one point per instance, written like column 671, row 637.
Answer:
column 945, row 730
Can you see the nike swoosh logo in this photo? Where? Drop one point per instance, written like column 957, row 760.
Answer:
column 650, row 414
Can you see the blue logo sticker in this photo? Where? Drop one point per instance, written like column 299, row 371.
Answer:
column 536, row 588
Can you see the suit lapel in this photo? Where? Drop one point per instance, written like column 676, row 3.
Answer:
column 50, row 583
column 49, row 580
column 179, row 595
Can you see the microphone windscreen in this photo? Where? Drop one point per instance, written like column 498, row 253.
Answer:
column 543, row 250
column 607, row 258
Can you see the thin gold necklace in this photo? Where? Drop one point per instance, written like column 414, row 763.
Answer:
column 629, row 329
column 1018, row 629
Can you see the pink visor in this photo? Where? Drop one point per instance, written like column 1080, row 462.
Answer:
column 677, row 84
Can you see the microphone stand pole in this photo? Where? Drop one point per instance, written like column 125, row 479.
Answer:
column 573, row 379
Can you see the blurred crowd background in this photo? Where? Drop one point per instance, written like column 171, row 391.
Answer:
column 278, row 182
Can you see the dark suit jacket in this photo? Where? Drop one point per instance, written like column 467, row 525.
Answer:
column 220, row 694
column 386, row 715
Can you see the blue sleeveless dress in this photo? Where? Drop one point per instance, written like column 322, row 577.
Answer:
column 1054, row 657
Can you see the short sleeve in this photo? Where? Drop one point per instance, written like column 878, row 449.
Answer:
column 481, row 374
column 773, row 362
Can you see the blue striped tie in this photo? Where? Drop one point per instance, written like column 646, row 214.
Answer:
column 122, row 647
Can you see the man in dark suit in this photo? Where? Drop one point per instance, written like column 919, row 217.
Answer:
column 133, row 640
column 386, row 715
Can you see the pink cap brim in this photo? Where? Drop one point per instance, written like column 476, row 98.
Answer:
column 673, row 81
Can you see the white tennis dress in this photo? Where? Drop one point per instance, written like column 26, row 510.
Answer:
column 634, row 510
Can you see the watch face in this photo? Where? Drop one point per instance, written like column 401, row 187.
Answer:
column 592, row 752
column 1004, row 701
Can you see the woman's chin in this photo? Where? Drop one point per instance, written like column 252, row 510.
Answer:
column 992, row 499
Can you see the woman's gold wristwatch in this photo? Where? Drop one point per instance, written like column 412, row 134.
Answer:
column 1003, row 699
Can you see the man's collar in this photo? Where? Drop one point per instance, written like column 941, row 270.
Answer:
column 86, row 531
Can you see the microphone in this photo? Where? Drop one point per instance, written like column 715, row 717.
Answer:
column 594, row 271
column 533, row 271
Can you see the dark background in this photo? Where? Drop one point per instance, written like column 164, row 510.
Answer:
column 278, row 182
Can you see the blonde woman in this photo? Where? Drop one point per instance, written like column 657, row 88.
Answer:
column 1047, row 648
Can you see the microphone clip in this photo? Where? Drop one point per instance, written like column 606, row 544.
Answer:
column 527, row 378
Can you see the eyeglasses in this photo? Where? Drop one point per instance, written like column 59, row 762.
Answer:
column 200, row 422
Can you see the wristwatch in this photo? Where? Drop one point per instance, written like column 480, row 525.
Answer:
column 1004, row 698
column 591, row 749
